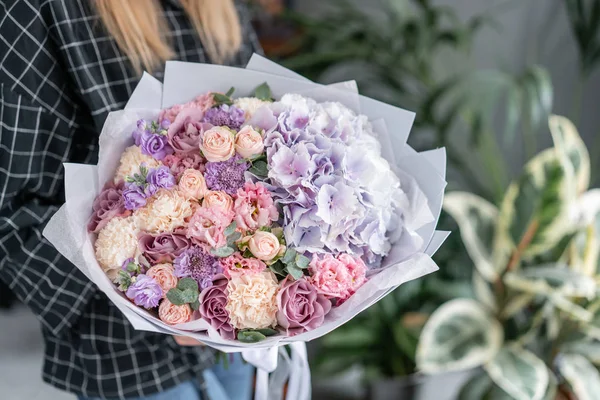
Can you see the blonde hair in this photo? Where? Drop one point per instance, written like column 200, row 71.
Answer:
column 137, row 27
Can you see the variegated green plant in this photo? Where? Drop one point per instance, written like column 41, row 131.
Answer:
column 534, row 326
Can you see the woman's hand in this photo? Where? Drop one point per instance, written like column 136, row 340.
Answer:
column 187, row 341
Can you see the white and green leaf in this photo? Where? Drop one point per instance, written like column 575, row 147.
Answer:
column 519, row 373
column 458, row 335
column 476, row 218
column 553, row 278
column 589, row 348
column 516, row 303
column 582, row 375
column 534, row 214
column 569, row 143
column 571, row 309
column 484, row 293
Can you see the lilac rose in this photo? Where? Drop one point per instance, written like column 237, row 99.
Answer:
column 185, row 132
column 155, row 145
column 161, row 177
column 300, row 307
column 164, row 247
column 145, row 292
column 107, row 205
column 212, row 307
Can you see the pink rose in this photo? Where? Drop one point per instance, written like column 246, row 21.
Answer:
column 164, row 247
column 236, row 265
column 207, row 225
column 202, row 103
column 107, row 205
column 264, row 245
column 218, row 199
column 331, row 277
column 248, row 142
column 172, row 314
column 254, row 207
column 192, row 184
column 185, row 132
column 164, row 275
column 300, row 307
column 217, row 144
column 356, row 268
column 178, row 164
column 212, row 307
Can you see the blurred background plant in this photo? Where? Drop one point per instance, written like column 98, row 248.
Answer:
column 534, row 325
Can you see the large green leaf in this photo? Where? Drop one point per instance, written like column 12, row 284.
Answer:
column 581, row 375
column 568, row 142
column 534, row 215
column 459, row 335
column 476, row 219
column 519, row 373
column 549, row 279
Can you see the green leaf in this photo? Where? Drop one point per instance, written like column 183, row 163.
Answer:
column 581, row 375
column 222, row 252
column 123, row 280
column 195, row 304
column 231, row 239
column 459, row 335
column 549, row 279
column 568, row 142
column 302, row 261
column 476, row 219
column 189, row 296
column 534, row 215
column 278, row 269
column 259, row 168
column 221, row 99
column 519, row 373
column 476, row 388
column 571, row 309
column 263, row 92
column 230, row 91
column 289, row 256
column 294, row 271
column 589, row 348
column 187, row 284
column 266, row 331
column 230, row 229
column 250, row 336
column 176, row 297
column 484, row 292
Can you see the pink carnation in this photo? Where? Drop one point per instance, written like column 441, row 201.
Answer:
column 202, row 103
column 178, row 164
column 337, row 277
column 254, row 207
column 207, row 225
column 236, row 265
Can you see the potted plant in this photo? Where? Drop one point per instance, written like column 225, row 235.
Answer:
column 533, row 329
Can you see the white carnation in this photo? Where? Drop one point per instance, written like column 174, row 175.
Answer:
column 131, row 159
column 249, row 105
column 116, row 242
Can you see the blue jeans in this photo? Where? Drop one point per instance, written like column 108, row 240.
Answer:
column 233, row 383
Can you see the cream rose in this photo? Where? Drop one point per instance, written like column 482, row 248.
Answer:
column 249, row 105
column 252, row 300
column 192, row 184
column 164, row 275
column 172, row 314
column 116, row 242
column 130, row 162
column 218, row 199
column 164, row 212
column 217, row 144
column 264, row 245
column 249, row 142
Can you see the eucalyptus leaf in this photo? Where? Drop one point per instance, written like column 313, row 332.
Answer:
column 581, row 375
column 187, row 284
column 534, row 215
column 289, row 256
column 459, row 335
column 195, row 304
column 222, row 252
column 263, row 92
column 266, row 331
column 519, row 373
column 250, row 336
column 230, row 229
column 294, row 271
column 568, row 142
column 476, row 219
column 231, row 239
column 176, row 297
column 189, row 296
column 302, row 261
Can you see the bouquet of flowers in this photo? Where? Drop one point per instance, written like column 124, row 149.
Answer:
column 252, row 220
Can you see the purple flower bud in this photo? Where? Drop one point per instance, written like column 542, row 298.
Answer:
column 161, row 177
column 134, row 197
column 145, row 292
column 155, row 145
column 165, row 123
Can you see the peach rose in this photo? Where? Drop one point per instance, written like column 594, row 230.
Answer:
column 217, row 144
column 172, row 314
column 264, row 245
column 192, row 184
column 218, row 199
column 164, row 275
column 249, row 142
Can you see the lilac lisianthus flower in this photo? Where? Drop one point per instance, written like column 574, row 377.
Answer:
column 197, row 264
column 161, row 177
column 134, row 197
column 155, row 145
column 225, row 115
column 145, row 292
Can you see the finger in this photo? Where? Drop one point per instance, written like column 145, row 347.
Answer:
column 187, row 341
